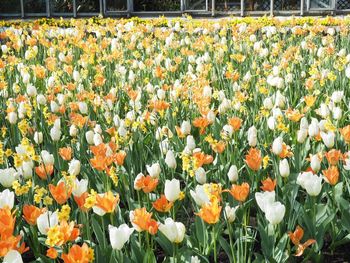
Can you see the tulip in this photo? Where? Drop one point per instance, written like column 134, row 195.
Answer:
column 7, row 198
column 153, row 170
column 252, row 136
column 337, row 96
column 277, row 146
column 313, row 128
column 12, row 117
column 80, row 187
column 26, row 170
column 172, row 190
column 233, row 173
column 170, row 159
column 174, row 231
column 74, row 167
column 38, row 137
column 274, row 213
column 284, row 168
column 190, row 143
column 8, row 176
column 47, row 158
column 201, row 175
column 310, row 182
column 73, row 130
column 230, row 213
column 301, row 135
column 186, row 127
column 55, row 133
column 265, row 199
column 89, row 136
column 271, row 123
column 13, row 256
column 328, row 139
column 315, row 162
column 118, row 236
column 200, row 196
column 47, row 220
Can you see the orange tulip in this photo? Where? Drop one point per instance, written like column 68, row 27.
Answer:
column 333, row 156
column 239, row 192
column 44, row 170
column 162, row 204
column 107, row 202
column 210, row 212
column 253, row 159
column 31, row 213
column 345, row 132
column 202, row 158
column 286, row 152
column 120, row 157
column 80, row 200
column 7, row 221
column 296, row 237
column 8, row 243
column 52, row 253
column 268, row 184
column 219, row 147
column 201, row 123
column 78, row 254
column 66, row 153
column 60, row 193
column 143, row 220
column 147, row 183
column 235, row 122
column 331, row 175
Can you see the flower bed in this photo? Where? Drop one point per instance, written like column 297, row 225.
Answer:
column 174, row 141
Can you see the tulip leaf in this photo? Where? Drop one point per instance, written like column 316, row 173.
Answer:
column 226, row 247
column 98, row 232
column 164, row 242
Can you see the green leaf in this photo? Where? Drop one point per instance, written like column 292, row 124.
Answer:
column 164, row 242
column 226, row 247
column 98, row 232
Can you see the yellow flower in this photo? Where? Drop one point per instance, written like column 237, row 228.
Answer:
column 48, row 200
column 64, row 213
column 266, row 161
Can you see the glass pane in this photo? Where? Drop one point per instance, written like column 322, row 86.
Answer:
column 228, row 5
column 156, row 5
column 257, row 5
column 196, row 4
column 117, row 5
column 285, row 5
column 87, row 6
column 320, row 4
column 61, row 6
column 10, row 6
column 34, row 6
column 343, row 4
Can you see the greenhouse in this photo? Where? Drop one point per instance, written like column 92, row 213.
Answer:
column 76, row 8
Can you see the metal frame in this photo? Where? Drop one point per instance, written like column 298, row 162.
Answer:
column 305, row 9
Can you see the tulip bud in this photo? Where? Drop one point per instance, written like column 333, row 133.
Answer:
column 13, row 256
column 55, row 133
column 230, row 213
column 313, row 128
column 80, row 187
column 284, row 168
column 74, row 167
column 252, row 136
column 12, row 117
column 201, row 175
column 47, row 157
column 315, row 163
column 38, row 137
column 275, row 212
column 8, row 176
column 186, row 127
column 301, row 136
column 174, row 231
column 271, row 123
column 264, row 199
column 233, row 173
column 310, row 182
column 328, row 139
column 118, row 236
column 89, row 136
column 170, row 159
column 73, row 130
column 172, row 190
column 190, row 143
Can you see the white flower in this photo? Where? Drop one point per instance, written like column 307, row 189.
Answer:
column 138, row 177
column 195, row 259
column 73, row 130
column 301, row 135
column 89, row 136
column 174, row 231
column 190, row 142
column 118, row 236
column 274, row 212
column 26, row 169
column 74, row 167
column 170, row 159
column 347, row 72
column 347, row 162
column 310, row 182
column 8, row 176
column 201, row 175
column 264, row 199
column 80, row 187
column 337, row 113
column 172, row 190
column 38, row 137
column 153, row 170
column 13, row 256
column 186, row 127
column 328, row 139
column 315, row 162
column 83, row 107
column 12, row 117
column 252, row 136
column 55, row 133
column 47, row 157
column 47, row 220
column 337, row 96
column 230, row 213
column 284, row 168
column 233, row 173
column 7, row 198
column 97, row 139
column 200, row 196
column 271, row 123
column 313, row 128
column 277, row 146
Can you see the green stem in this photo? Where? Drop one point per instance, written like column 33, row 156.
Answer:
column 214, row 240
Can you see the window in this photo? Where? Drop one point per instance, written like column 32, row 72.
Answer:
column 228, row 5
column 156, row 5
column 10, row 7
column 61, row 6
column 257, row 5
column 116, row 5
column 34, row 6
column 88, row 6
column 286, row 5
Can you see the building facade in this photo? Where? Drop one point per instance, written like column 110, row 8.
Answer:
column 78, row 8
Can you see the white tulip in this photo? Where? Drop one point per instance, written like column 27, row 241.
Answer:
column 200, row 196
column 97, row 139
column 337, row 96
column 46, row 220
column 8, row 176
column 89, row 136
column 284, row 168
column 275, row 212
column 264, row 199
column 186, row 127
column 80, row 187
column 118, row 236
column 73, row 130
column 170, row 159
column 277, row 146
column 47, row 157
column 13, row 256
column 174, row 231
column 190, row 142
column 313, row 128
column 252, row 136
column 347, row 72
column 310, row 182
column 38, row 137
column 233, row 173
column 7, row 198
column 302, row 135
column 26, row 169
column 74, row 167
column 315, row 162
column 201, row 175
column 83, row 107
column 271, row 123
column 12, row 117
column 230, row 213
column 328, row 139
column 172, row 190
column 337, row 113
column 153, row 170
column 138, row 177
column 55, row 133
